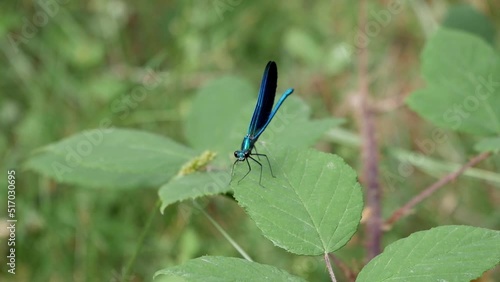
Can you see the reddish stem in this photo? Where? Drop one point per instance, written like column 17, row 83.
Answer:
column 405, row 210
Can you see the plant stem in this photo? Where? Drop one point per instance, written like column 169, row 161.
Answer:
column 370, row 160
column 223, row 232
column 329, row 267
column 405, row 210
column 128, row 268
column 348, row 273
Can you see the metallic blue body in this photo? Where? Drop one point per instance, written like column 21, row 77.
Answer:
column 262, row 116
column 249, row 140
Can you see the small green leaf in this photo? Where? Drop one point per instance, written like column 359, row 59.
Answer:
column 193, row 186
column 119, row 158
column 464, row 17
column 446, row 253
column 312, row 207
column 208, row 269
column 463, row 87
column 488, row 144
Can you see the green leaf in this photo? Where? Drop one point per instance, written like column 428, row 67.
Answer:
column 464, row 17
column 218, row 112
column 312, row 207
column 463, row 89
column 293, row 118
column 119, row 158
column 207, row 269
column 488, row 144
column 193, row 186
column 221, row 125
column 446, row 253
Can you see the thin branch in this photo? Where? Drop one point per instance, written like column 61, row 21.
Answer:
column 330, row 269
column 348, row 273
column 126, row 274
column 405, row 210
column 370, row 160
column 219, row 228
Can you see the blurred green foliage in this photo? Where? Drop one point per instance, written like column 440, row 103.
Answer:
column 67, row 66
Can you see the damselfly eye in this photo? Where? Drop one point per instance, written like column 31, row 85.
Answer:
column 235, row 154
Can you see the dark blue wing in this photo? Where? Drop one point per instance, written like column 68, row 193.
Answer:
column 265, row 101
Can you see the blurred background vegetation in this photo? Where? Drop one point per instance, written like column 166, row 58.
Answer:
column 66, row 65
